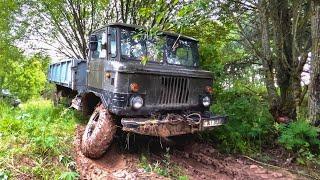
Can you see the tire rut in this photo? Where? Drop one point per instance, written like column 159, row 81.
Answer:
column 201, row 161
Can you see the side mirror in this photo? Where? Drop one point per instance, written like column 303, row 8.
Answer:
column 93, row 43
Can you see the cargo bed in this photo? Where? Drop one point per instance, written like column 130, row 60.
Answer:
column 69, row 73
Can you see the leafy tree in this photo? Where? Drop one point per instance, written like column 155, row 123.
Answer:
column 65, row 24
column 23, row 76
column 277, row 33
column 7, row 51
column 214, row 40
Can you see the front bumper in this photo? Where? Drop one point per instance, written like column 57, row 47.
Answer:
column 172, row 124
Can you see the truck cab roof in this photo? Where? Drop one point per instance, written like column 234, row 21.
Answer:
column 133, row 26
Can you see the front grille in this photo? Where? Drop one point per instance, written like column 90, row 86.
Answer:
column 174, row 90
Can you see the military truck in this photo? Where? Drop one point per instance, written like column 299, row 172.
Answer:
column 146, row 84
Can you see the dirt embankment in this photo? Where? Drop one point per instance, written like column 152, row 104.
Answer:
column 198, row 161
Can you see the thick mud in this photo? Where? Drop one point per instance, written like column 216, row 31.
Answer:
column 202, row 162
column 114, row 164
column 197, row 161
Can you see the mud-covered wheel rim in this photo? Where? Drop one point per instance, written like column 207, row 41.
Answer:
column 92, row 124
column 99, row 133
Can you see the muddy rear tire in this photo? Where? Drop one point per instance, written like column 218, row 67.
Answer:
column 99, row 133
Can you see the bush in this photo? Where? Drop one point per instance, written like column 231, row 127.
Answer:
column 27, row 77
column 249, row 126
column 301, row 138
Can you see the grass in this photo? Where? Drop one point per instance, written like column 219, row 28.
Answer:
column 36, row 141
column 164, row 168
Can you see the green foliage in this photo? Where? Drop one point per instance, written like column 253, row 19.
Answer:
column 23, row 76
column 27, row 77
column 249, row 126
column 48, row 90
column 301, row 138
column 155, row 167
column 218, row 48
column 298, row 134
column 69, row 176
column 3, row 176
column 7, row 10
column 33, row 137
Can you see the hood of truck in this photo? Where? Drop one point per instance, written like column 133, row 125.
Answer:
column 157, row 69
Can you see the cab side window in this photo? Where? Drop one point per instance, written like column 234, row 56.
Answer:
column 113, row 42
column 101, row 51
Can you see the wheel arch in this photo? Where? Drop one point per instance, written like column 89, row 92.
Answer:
column 89, row 101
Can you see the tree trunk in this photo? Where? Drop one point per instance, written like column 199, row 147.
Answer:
column 283, row 61
column 267, row 61
column 314, row 87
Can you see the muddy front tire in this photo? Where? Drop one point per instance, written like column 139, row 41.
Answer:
column 99, row 133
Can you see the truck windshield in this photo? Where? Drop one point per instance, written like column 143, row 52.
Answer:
column 182, row 52
column 136, row 46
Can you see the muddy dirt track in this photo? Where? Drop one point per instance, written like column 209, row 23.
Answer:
column 198, row 161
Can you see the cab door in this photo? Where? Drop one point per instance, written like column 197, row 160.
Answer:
column 96, row 62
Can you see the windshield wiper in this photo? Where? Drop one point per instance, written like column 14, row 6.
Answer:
column 174, row 46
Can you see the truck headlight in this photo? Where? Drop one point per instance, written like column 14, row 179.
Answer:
column 136, row 102
column 206, row 101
